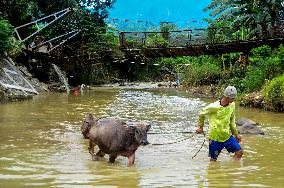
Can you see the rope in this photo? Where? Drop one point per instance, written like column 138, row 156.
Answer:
column 200, row 146
column 168, row 143
column 183, row 132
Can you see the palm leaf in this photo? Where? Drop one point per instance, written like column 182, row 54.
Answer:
column 240, row 20
column 219, row 10
column 215, row 4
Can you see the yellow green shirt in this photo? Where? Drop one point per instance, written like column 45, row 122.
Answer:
column 221, row 121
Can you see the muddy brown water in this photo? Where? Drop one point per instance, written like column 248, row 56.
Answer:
column 41, row 144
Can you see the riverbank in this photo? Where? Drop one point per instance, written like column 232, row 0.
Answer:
column 256, row 100
column 252, row 100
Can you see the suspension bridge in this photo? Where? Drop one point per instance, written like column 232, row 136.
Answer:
column 194, row 42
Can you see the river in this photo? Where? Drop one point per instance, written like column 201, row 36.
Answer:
column 41, row 144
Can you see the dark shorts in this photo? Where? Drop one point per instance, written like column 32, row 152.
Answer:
column 215, row 147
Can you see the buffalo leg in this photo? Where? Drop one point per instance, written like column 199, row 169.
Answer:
column 91, row 148
column 131, row 159
column 98, row 155
column 112, row 158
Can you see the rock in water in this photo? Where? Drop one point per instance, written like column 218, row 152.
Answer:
column 247, row 126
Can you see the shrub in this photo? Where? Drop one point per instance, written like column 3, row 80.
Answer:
column 253, row 80
column 280, row 55
column 272, row 67
column 199, row 74
column 273, row 93
column 156, row 40
column 260, row 53
column 235, row 81
column 7, row 41
column 5, row 36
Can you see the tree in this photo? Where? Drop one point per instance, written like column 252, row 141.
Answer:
column 18, row 12
column 86, row 15
column 6, row 36
column 259, row 15
column 165, row 28
column 218, row 31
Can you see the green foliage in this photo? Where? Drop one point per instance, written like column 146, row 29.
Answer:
column 273, row 93
column 132, row 41
column 271, row 64
column 85, row 15
column 247, row 77
column 192, row 70
column 242, row 33
column 100, row 40
column 19, row 12
column 261, row 52
column 272, row 67
column 263, row 66
column 177, row 60
column 147, row 72
column 201, row 74
column 93, row 74
column 218, row 32
column 156, row 40
column 258, row 16
column 280, row 54
column 165, row 28
column 7, row 41
column 254, row 79
column 221, row 31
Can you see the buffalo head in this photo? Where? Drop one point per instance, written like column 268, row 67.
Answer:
column 88, row 122
column 140, row 132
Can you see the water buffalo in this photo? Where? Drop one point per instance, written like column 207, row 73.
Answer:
column 114, row 137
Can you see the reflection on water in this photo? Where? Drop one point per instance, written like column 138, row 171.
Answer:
column 41, row 144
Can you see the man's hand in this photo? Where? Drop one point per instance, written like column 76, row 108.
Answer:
column 199, row 130
column 238, row 138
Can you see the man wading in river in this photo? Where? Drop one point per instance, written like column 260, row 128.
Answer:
column 222, row 126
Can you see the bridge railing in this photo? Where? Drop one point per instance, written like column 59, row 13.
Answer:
column 193, row 37
column 161, row 39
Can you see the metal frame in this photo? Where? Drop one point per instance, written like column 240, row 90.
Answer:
column 10, row 73
column 56, row 16
column 74, row 32
column 77, row 32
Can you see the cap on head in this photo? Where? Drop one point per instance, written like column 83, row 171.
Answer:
column 230, row 92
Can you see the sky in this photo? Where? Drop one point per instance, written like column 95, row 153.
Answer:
column 181, row 12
